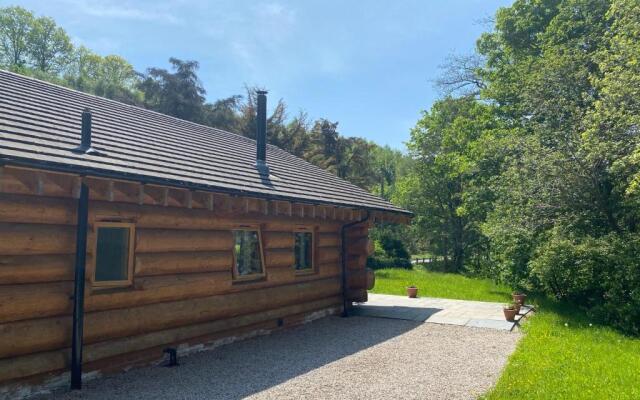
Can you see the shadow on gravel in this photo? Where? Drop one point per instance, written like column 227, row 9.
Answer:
column 241, row 369
column 419, row 314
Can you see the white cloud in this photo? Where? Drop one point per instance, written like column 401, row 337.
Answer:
column 122, row 10
column 100, row 45
column 260, row 38
column 269, row 42
column 280, row 13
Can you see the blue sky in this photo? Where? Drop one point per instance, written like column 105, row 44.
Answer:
column 367, row 64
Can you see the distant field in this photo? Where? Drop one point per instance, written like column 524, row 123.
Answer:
column 438, row 284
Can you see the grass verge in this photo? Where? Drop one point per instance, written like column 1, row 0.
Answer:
column 563, row 355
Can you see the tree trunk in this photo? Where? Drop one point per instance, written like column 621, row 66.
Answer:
column 458, row 244
column 445, row 253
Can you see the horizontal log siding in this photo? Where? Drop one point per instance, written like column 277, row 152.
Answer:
column 183, row 290
column 358, row 248
column 57, row 360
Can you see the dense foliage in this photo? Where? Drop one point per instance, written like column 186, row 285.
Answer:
column 390, row 247
column 532, row 174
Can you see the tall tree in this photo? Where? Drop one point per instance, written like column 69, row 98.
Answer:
column 324, row 148
column 117, row 80
column 111, row 76
column 223, row 113
column 563, row 77
column 15, row 25
column 49, row 46
column 462, row 76
column 541, row 72
column 83, row 70
column 178, row 93
column 387, row 167
column 296, row 140
column 614, row 122
column 449, row 186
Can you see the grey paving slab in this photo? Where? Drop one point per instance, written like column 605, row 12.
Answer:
column 437, row 319
column 478, row 314
column 490, row 323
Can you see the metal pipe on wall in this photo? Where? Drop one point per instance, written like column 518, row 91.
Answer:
column 81, row 259
column 78, row 292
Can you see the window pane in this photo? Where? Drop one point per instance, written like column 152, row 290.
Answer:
column 112, row 254
column 247, row 251
column 304, row 250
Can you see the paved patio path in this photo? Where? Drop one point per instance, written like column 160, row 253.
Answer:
column 479, row 314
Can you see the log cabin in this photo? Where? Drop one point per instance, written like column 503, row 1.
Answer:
column 125, row 233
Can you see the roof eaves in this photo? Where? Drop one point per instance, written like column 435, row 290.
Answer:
column 103, row 173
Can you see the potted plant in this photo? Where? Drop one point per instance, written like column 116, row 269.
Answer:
column 517, row 306
column 412, row 292
column 510, row 312
column 519, row 297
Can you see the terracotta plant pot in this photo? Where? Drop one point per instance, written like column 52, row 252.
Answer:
column 412, row 292
column 517, row 306
column 509, row 313
column 519, row 298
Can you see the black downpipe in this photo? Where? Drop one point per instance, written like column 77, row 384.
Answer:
column 78, row 292
column 81, row 258
column 343, row 239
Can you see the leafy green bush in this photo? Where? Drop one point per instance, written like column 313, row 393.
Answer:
column 512, row 249
column 394, row 248
column 620, row 284
column 569, row 270
column 600, row 274
column 389, row 253
column 378, row 262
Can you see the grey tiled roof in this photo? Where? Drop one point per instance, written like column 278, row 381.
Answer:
column 40, row 125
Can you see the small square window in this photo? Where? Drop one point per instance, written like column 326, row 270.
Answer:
column 304, row 251
column 113, row 254
column 247, row 251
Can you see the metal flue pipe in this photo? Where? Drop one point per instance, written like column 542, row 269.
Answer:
column 85, row 139
column 261, row 133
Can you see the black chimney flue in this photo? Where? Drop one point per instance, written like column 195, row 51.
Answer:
column 261, row 133
column 85, row 141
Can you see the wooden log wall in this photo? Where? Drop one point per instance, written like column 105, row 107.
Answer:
column 182, row 291
column 358, row 248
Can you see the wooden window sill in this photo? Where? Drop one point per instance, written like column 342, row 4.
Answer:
column 303, row 272
column 248, row 280
column 97, row 290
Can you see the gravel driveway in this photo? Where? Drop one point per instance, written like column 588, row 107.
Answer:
column 333, row 358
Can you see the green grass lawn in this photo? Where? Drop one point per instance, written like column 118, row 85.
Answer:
column 437, row 284
column 561, row 355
